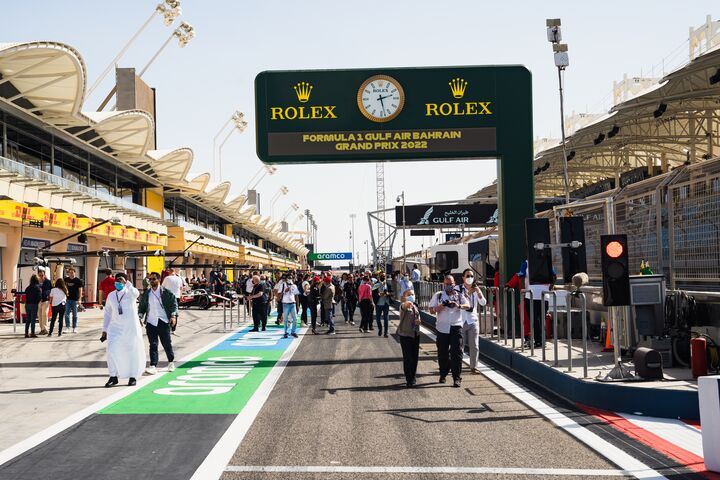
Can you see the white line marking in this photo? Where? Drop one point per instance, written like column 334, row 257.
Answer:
column 676, row 432
column 214, row 464
column 604, row 448
column 35, row 440
column 429, row 470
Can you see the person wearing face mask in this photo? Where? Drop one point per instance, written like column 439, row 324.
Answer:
column 159, row 308
column 123, row 331
column 470, row 316
column 448, row 305
column 408, row 331
column 405, row 284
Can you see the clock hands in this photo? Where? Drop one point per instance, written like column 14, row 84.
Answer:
column 381, row 103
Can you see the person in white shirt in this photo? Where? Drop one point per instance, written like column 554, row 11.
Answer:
column 416, row 274
column 158, row 307
column 122, row 330
column 447, row 305
column 290, row 298
column 248, row 291
column 405, row 284
column 174, row 283
column 537, row 298
column 470, row 330
column 58, row 297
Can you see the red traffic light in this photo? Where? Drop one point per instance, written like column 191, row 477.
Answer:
column 614, row 249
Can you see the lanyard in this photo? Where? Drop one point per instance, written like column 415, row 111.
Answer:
column 156, row 295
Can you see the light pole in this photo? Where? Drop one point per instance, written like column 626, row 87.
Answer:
column 399, row 198
column 352, row 232
column 240, row 126
column 283, row 191
column 367, row 253
column 170, row 10
column 554, row 36
column 184, row 33
column 265, row 170
column 292, row 207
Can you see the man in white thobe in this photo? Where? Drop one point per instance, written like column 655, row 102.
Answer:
column 123, row 332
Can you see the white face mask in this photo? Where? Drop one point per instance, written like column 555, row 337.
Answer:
column 469, row 280
column 411, row 298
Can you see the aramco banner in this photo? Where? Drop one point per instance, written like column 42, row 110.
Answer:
column 330, row 256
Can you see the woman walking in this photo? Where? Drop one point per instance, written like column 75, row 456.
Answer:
column 366, row 304
column 409, row 332
column 471, row 319
column 33, row 296
column 58, row 297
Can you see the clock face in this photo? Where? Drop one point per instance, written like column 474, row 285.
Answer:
column 380, row 98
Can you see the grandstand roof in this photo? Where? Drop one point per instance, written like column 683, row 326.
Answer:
column 48, row 81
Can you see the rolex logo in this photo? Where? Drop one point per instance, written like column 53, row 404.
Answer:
column 457, row 87
column 302, row 90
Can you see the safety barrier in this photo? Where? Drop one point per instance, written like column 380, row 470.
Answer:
column 227, row 302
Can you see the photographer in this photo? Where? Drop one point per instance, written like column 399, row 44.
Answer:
column 470, row 329
column 448, row 305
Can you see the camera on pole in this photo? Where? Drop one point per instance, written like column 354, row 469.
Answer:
column 615, row 270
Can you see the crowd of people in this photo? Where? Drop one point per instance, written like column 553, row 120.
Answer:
column 313, row 299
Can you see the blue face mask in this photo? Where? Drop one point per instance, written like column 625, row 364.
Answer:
column 119, row 286
column 411, row 298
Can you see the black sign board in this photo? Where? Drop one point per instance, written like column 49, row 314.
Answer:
column 36, row 223
column 422, row 233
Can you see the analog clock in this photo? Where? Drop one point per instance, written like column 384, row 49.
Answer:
column 380, row 98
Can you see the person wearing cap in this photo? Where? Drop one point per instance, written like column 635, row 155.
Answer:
column 328, row 297
column 517, row 281
column 45, row 287
column 123, row 332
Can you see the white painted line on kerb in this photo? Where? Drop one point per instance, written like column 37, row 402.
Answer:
column 626, row 462
column 43, row 435
column 214, row 464
column 430, row 470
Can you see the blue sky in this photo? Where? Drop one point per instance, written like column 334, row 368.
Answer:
column 201, row 85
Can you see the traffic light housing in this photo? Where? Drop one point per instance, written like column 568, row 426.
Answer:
column 572, row 229
column 537, row 231
column 615, row 270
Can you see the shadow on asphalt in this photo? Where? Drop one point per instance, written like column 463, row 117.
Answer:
column 51, row 389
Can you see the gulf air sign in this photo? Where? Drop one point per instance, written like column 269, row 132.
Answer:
column 330, row 256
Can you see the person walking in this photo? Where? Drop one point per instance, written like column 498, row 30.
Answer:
column 122, row 330
column 249, row 285
column 44, row 305
column 290, row 297
column 365, row 298
column 106, row 287
column 304, row 293
column 314, row 300
column 259, row 298
column 382, row 305
column 351, row 299
column 158, row 308
column 408, row 331
column 176, row 285
column 58, row 298
column 328, row 297
column 448, row 305
column 471, row 318
column 341, row 295
column 33, row 297
column 75, row 293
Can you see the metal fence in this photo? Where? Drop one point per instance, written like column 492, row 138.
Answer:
column 672, row 221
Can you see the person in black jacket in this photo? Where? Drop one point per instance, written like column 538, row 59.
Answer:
column 351, row 298
column 313, row 302
column 33, row 296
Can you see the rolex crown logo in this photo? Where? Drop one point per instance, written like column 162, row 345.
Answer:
column 457, row 87
column 302, row 90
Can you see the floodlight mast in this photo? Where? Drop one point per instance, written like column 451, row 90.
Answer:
column 562, row 61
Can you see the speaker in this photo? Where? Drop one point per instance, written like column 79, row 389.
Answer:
column 537, row 230
column 574, row 259
column 648, row 364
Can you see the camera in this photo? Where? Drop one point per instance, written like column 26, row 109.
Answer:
column 450, row 304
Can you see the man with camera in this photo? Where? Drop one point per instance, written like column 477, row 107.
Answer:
column 448, row 305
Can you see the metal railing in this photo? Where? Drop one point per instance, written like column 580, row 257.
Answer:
column 498, row 319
